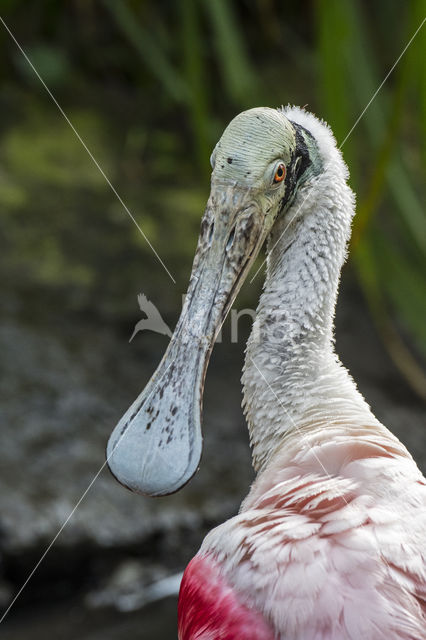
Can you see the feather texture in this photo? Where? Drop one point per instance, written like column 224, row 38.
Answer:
column 338, row 556
column 330, row 543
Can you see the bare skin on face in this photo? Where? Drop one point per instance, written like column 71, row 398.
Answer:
column 156, row 447
column 329, row 543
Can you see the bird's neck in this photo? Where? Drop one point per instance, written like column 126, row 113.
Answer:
column 292, row 377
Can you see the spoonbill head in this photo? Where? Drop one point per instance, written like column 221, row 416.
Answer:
column 259, row 163
column 330, row 542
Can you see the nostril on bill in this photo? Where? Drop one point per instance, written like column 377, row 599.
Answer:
column 211, row 233
column 230, row 239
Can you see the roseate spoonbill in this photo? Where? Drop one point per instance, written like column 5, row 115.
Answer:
column 330, row 542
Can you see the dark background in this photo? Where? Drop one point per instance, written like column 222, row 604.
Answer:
column 149, row 86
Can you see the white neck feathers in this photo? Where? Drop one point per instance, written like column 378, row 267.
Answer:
column 292, row 377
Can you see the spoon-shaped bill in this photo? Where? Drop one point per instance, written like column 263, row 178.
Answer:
column 156, row 447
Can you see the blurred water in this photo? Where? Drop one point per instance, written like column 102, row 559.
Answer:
column 63, row 388
column 74, row 621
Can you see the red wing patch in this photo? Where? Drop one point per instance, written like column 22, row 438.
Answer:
column 209, row 609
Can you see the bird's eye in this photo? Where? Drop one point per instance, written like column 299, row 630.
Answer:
column 280, row 172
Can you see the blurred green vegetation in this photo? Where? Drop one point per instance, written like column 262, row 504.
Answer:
column 149, row 86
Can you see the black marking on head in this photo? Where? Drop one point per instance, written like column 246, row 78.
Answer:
column 299, row 164
column 229, row 160
column 301, row 151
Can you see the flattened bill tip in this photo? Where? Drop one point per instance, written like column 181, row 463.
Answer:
column 150, row 464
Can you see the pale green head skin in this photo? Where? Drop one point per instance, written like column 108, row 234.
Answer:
column 156, row 447
column 251, row 146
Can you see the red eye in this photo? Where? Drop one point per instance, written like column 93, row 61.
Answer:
column 280, row 173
